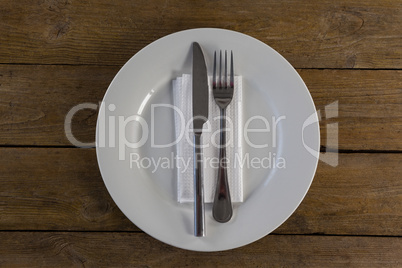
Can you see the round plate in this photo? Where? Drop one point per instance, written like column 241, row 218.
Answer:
column 282, row 138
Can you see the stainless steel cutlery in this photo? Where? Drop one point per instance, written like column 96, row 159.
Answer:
column 200, row 116
column 222, row 89
column 223, row 93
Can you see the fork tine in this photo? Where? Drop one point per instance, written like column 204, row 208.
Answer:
column 231, row 70
column 225, row 77
column 220, row 69
column 214, row 73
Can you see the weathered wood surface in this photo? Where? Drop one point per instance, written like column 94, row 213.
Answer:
column 47, row 249
column 54, row 54
column 310, row 34
column 61, row 189
column 32, row 110
column 36, row 99
column 369, row 114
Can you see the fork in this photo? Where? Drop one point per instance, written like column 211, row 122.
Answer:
column 223, row 93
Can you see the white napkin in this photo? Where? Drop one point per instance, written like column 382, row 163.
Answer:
column 182, row 98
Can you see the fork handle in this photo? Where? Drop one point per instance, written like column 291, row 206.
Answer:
column 222, row 208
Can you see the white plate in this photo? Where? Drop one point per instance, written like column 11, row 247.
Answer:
column 271, row 88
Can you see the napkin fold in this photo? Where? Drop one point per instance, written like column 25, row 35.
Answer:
column 182, row 100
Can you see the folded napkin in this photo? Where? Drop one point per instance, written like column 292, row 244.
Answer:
column 182, row 98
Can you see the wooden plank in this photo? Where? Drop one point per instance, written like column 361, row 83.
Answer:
column 61, row 189
column 55, row 189
column 365, row 105
column 310, row 34
column 32, row 110
column 362, row 195
column 36, row 99
column 46, row 249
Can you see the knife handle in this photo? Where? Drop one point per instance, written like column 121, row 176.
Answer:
column 199, row 210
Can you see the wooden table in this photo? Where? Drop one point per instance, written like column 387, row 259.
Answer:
column 54, row 54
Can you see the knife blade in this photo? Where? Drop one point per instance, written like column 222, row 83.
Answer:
column 200, row 88
column 200, row 116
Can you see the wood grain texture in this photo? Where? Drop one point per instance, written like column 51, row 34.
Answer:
column 36, row 99
column 55, row 189
column 364, row 106
column 46, row 249
column 363, row 195
column 61, row 189
column 310, row 34
column 55, row 210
